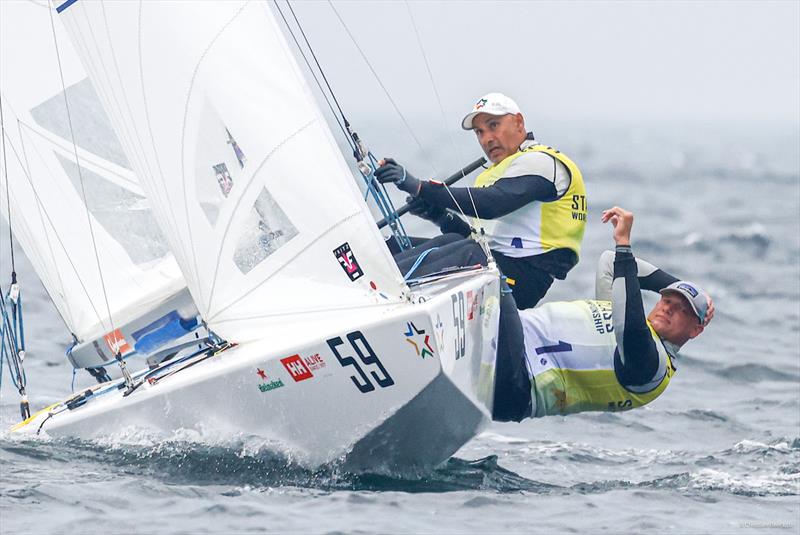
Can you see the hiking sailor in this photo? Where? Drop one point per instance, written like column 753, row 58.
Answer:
column 603, row 354
column 531, row 201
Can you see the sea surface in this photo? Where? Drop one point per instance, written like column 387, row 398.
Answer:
column 719, row 452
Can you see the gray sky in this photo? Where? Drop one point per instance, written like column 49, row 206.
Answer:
column 699, row 61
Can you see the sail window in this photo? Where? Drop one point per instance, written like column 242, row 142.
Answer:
column 218, row 165
column 90, row 124
column 266, row 229
column 123, row 214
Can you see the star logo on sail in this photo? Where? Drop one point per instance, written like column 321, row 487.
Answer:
column 418, row 339
column 348, row 261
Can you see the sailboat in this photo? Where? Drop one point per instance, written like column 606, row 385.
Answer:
column 225, row 239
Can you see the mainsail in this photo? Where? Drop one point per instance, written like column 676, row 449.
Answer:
column 244, row 176
column 53, row 183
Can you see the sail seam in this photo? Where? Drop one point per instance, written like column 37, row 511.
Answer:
column 239, row 201
column 183, row 148
column 50, row 221
column 288, row 261
column 165, row 199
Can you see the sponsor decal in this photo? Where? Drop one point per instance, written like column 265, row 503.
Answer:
column 236, row 150
column 297, row 368
column 543, row 361
column 688, row 288
column 418, row 339
column 117, row 343
column 472, row 303
column 348, row 261
column 223, row 178
column 267, row 385
column 480, row 104
column 314, row 362
column 439, row 326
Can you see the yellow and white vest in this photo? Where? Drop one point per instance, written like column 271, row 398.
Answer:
column 537, row 227
column 570, row 348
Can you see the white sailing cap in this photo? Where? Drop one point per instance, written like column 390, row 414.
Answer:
column 698, row 299
column 493, row 104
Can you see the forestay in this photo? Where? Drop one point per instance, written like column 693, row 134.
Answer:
column 256, row 201
column 48, row 213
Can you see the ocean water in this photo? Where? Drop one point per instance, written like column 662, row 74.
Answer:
column 719, row 452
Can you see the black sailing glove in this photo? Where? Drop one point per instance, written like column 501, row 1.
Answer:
column 391, row 171
column 424, row 209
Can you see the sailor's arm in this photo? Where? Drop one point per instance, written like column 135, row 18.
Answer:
column 533, row 176
column 637, row 354
column 650, row 277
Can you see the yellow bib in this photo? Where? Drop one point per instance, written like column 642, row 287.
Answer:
column 561, row 222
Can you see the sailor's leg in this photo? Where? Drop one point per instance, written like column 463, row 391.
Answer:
column 422, row 245
column 462, row 252
column 528, row 283
column 512, row 387
column 394, row 247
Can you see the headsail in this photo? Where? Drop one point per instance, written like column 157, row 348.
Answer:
column 48, row 176
column 256, row 201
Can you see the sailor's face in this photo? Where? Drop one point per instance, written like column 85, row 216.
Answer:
column 674, row 320
column 499, row 135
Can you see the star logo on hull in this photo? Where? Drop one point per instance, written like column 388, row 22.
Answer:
column 418, row 339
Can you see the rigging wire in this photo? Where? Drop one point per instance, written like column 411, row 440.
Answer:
column 366, row 161
column 314, row 74
column 8, row 196
column 441, row 114
column 380, row 82
column 12, row 333
column 115, row 346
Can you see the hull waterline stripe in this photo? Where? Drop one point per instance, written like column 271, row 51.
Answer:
column 65, row 5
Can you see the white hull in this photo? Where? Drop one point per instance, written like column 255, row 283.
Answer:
column 411, row 407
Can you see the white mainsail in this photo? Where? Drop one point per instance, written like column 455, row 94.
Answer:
column 245, row 179
column 47, row 182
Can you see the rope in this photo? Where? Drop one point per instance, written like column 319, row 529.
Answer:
column 367, row 163
column 417, row 262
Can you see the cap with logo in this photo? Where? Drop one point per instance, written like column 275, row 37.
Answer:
column 698, row 299
column 493, row 104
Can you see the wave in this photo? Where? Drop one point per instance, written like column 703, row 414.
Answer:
column 752, row 373
column 178, row 462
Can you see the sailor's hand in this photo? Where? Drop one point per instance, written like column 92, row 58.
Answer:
column 709, row 311
column 622, row 221
column 425, row 210
column 391, row 171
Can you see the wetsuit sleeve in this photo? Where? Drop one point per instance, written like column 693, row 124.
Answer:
column 636, row 359
column 650, row 277
column 497, row 200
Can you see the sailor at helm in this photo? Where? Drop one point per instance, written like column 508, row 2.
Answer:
column 597, row 355
column 531, row 201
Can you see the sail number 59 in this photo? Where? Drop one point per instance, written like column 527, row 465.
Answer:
column 367, row 357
